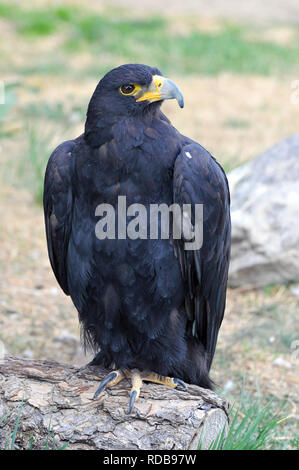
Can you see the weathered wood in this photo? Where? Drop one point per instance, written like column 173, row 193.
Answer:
column 59, row 397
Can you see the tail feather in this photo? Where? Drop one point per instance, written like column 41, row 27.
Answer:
column 195, row 369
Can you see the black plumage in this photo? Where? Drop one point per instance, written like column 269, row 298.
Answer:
column 144, row 304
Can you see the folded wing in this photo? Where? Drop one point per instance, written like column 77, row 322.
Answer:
column 199, row 179
column 58, row 204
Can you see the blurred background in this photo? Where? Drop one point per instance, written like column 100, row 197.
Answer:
column 237, row 64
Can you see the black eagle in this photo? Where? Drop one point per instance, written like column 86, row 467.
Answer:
column 150, row 309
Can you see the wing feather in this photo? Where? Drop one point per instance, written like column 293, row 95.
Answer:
column 199, row 179
column 58, row 203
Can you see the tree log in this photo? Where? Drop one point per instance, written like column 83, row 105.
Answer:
column 56, row 401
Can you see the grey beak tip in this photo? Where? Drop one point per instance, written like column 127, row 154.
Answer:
column 180, row 100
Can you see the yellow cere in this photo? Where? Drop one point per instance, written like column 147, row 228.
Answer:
column 154, row 91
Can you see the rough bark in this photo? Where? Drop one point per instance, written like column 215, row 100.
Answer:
column 56, row 401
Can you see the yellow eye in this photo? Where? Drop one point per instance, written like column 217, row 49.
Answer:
column 127, row 89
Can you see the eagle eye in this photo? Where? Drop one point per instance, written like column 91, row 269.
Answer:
column 127, row 89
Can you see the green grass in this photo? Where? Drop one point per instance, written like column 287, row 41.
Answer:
column 32, row 163
column 10, row 443
column 55, row 112
column 123, row 38
column 45, row 66
column 249, row 431
column 43, row 124
column 5, row 108
column 254, row 425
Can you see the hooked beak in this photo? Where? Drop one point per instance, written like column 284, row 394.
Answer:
column 162, row 88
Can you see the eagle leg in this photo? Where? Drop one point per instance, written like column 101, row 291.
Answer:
column 137, row 378
column 163, row 380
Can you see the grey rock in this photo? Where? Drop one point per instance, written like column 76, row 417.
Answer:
column 265, row 217
column 279, row 361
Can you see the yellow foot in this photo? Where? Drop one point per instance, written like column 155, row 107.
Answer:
column 137, row 379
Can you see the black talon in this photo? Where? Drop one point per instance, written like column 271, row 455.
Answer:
column 104, row 383
column 180, row 382
column 132, row 401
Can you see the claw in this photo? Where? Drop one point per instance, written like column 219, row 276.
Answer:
column 109, row 378
column 137, row 379
column 132, row 401
column 180, row 382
